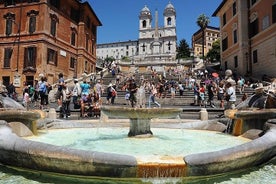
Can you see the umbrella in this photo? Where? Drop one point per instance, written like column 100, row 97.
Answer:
column 214, row 74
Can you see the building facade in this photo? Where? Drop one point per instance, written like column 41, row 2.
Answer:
column 155, row 43
column 46, row 37
column 211, row 34
column 248, row 36
column 117, row 50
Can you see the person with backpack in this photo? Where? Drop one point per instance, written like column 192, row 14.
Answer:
column 43, row 92
column 76, row 94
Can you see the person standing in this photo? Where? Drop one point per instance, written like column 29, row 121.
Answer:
column 196, row 93
column 36, row 92
column 59, row 89
column 211, row 90
column 220, row 93
column 76, row 94
column 153, row 92
column 26, row 98
column 11, row 90
column 42, row 92
column 202, row 95
column 141, row 95
column 111, row 94
column 132, row 87
column 230, row 96
column 66, row 99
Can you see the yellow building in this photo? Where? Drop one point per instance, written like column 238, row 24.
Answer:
column 211, row 35
column 248, row 36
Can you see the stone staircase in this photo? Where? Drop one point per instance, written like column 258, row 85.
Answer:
column 186, row 100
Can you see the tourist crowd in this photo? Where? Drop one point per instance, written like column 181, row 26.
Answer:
column 141, row 90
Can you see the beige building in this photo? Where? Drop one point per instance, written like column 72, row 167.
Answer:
column 248, row 36
column 211, row 35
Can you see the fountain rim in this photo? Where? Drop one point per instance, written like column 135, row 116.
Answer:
column 130, row 165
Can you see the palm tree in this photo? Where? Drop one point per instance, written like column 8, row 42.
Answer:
column 202, row 22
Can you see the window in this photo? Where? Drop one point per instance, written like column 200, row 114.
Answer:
column 224, row 44
column 87, row 42
column 255, row 56
column 236, row 61
column 32, row 20
column 53, row 27
column 55, row 3
column 224, row 19
column 274, row 13
column 9, row 26
column 85, row 66
column 73, row 38
column 32, row 24
column 7, row 57
column 88, row 22
column 73, row 61
column 74, row 15
column 265, row 22
column 10, row 17
column 144, row 24
column 92, row 46
column 235, row 36
column 54, row 20
column 234, row 8
column 169, row 21
column 10, row 2
column 143, row 47
column 30, row 57
column 254, row 28
column 225, row 65
column 51, row 56
column 169, row 46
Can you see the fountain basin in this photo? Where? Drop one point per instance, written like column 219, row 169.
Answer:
column 28, row 118
column 15, row 151
column 247, row 119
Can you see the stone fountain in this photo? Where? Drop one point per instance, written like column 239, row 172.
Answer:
column 140, row 118
column 23, row 153
column 12, row 111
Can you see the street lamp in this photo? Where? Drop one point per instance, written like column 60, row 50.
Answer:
column 192, row 56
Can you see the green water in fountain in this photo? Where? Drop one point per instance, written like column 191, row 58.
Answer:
column 93, row 138
column 172, row 142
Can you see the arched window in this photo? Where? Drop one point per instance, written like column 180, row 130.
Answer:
column 169, row 21
column 144, row 24
column 32, row 20
column 10, row 17
column 54, row 21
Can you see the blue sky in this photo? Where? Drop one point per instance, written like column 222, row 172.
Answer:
column 120, row 21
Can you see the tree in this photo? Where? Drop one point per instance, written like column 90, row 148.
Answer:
column 183, row 50
column 214, row 53
column 202, row 22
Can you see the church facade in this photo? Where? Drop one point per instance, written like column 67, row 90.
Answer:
column 155, row 43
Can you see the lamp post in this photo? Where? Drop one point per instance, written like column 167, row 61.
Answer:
column 17, row 77
column 192, row 56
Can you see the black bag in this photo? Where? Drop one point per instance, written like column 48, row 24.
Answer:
column 227, row 97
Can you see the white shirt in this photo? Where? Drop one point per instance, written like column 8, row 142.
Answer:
column 231, row 91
